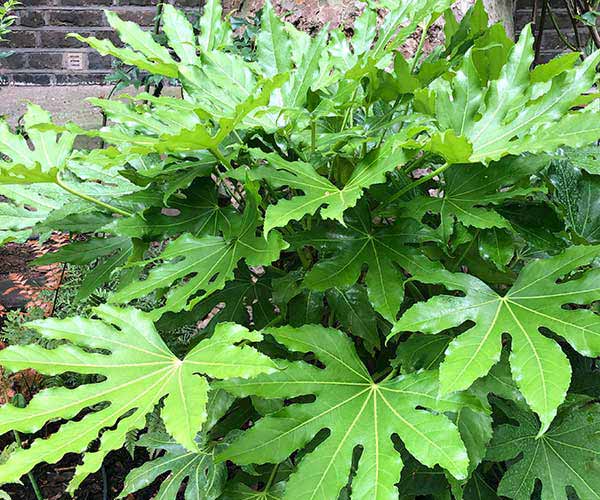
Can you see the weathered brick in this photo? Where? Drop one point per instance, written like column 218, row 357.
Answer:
column 37, row 3
column 98, row 62
column 58, row 39
column 45, row 60
column 17, row 60
column 80, row 78
column 31, row 18
column 87, row 3
column 32, row 78
column 143, row 17
column 21, row 39
column 76, row 18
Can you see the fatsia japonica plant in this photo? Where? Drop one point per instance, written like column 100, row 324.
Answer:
column 321, row 269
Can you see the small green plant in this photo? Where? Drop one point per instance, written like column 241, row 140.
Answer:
column 326, row 271
column 7, row 19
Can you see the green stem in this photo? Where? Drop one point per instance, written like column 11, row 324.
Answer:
column 349, row 110
column 156, row 31
column 418, row 182
column 271, row 478
column 313, row 135
column 91, row 199
column 417, row 56
column 34, row 484
column 216, row 152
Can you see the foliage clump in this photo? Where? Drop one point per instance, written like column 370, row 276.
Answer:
column 386, row 269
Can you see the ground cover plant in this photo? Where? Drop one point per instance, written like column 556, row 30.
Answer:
column 325, row 271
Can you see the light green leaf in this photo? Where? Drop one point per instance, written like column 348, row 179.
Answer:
column 491, row 116
column 273, row 44
column 539, row 366
column 214, row 31
column 318, row 190
column 49, row 155
column 356, row 411
column 138, row 370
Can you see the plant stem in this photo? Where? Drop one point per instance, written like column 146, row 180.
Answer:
column 418, row 182
column 34, row 484
column 220, row 157
column 560, row 34
column 313, row 135
column 419, row 49
column 104, row 483
column 540, row 32
column 271, row 478
column 349, row 110
column 91, row 199
column 156, row 31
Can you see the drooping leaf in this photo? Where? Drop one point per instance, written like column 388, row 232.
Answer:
column 539, row 366
column 356, row 411
column 137, row 370
column 565, row 457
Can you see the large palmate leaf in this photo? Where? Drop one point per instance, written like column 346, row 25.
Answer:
column 512, row 114
column 344, row 250
column 565, row 457
column 537, row 300
column 577, row 196
column 136, row 371
column 194, row 267
column 318, row 190
column 468, row 191
column 41, row 164
column 356, row 411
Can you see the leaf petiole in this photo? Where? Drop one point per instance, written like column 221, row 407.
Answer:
column 59, row 182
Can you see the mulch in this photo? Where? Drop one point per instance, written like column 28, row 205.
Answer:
column 22, row 287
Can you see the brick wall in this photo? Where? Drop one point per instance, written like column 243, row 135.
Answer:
column 551, row 42
column 42, row 55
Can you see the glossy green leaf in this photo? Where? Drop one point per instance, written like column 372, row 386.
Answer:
column 207, row 262
column 41, row 164
column 137, row 370
column 470, row 193
column 510, row 115
column 318, row 190
column 345, row 249
column 356, row 411
column 577, row 196
column 539, row 366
